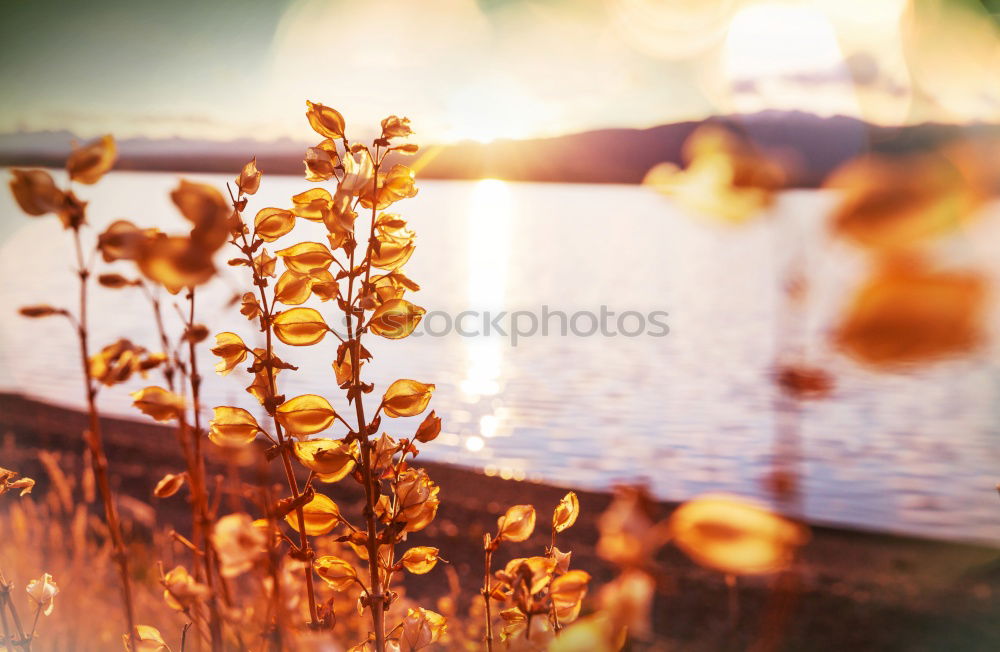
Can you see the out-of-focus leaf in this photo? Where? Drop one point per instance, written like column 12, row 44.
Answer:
column 89, row 163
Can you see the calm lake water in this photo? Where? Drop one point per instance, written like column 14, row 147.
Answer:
column 685, row 413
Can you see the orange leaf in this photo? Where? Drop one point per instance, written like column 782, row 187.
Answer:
column 321, row 161
column 158, row 403
column 517, row 524
column 304, row 257
column 89, row 163
column 249, row 180
column 735, row 536
column 566, row 512
column 272, row 223
column 406, row 398
column 305, row 415
column 293, row 288
column 394, row 127
column 420, row 560
column 300, row 326
column 320, row 516
column 176, row 263
column 429, row 429
column 338, row 573
column 325, row 121
column 170, row 484
column 36, row 192
column 395, row 319
column 911, row 315
column 232, row 350
column 232, row 426
column 313, row 204
column 330, row 459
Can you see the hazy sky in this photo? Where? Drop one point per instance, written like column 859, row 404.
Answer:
column 486, row 69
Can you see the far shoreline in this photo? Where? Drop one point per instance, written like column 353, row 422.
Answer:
column 808, row 147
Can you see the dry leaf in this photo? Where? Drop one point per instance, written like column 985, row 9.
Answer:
column 406, row 398
column 420, row 560
column 249, row 180
column 272, row 223
column 232, row 350
column 566, row 512
column 305, row 415
column 158, row 403
column 325, row 121
column 338, row 573
column 735, row 536
column 89, row 163
column 395, row 319
column 169, row 485
column 320, row 516
column 429, row 428
column 517, row 524
column 300, row 326
column 232, row 426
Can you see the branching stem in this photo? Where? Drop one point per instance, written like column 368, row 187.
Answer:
column 376, row 596
column 95, row 442
column 286, row 461
column 201, row 516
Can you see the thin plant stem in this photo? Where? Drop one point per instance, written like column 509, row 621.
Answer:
column 6, row 628
column 276, row 636
column 189, row 439
column 34, row 626
column 293, row 485
column 195, row 380
column 201, row 523
column 95, row 441
column 197, row 460
column 168, row 364
column 6, row 603
column 5, row 589
column 553, row 614
column 487, row 590
column 286, row 461
column 733, row 602
column 376, row 597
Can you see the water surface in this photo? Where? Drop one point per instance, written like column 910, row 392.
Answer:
column 686, row 413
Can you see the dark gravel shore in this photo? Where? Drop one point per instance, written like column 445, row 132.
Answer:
column 851, row 590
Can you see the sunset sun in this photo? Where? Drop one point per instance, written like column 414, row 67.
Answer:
column 493, row 108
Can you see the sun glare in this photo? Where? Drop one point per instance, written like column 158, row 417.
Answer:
column 775, row 39
column 493, row 109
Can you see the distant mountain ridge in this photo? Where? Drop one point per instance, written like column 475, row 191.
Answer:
column 808, row 146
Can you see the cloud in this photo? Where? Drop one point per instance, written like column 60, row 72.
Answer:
column 860, row 70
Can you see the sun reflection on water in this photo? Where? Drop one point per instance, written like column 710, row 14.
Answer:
column 488, row 251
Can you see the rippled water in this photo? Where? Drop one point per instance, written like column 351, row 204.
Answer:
column 686, row 413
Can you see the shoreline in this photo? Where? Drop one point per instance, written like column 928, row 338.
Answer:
column 867, row 590
column 22, row 410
